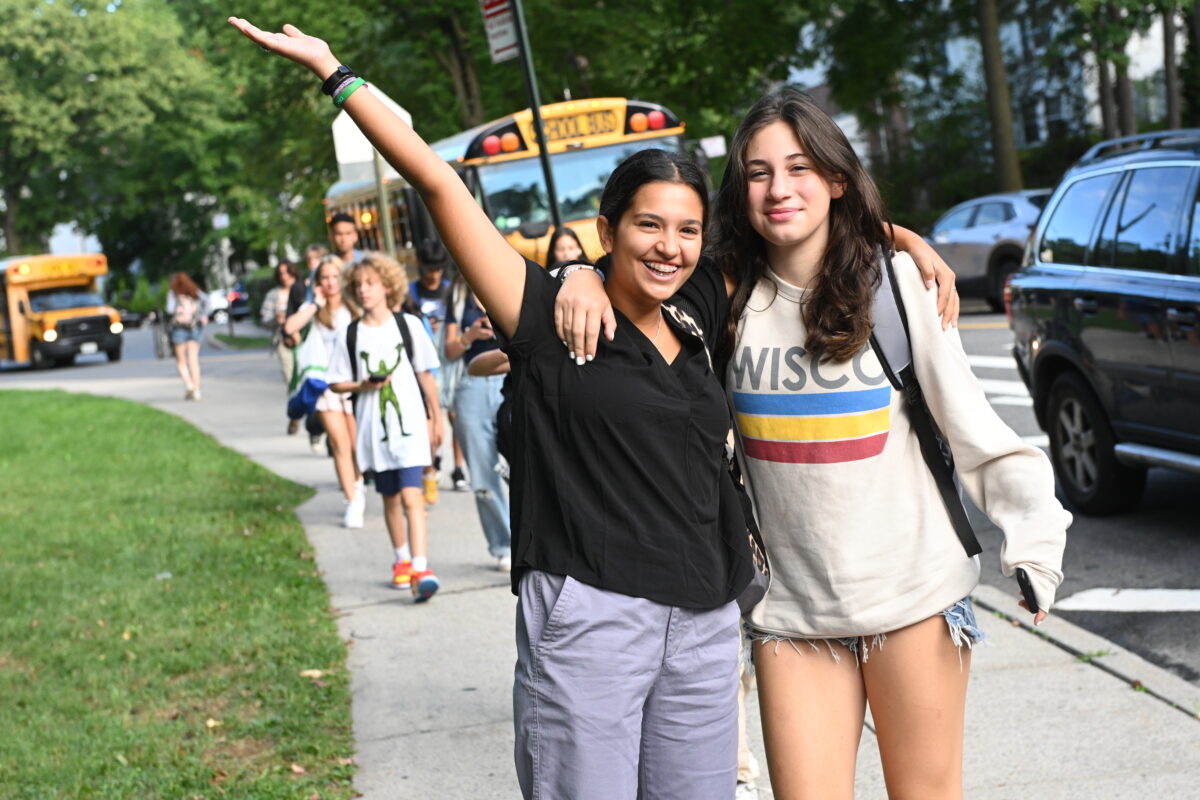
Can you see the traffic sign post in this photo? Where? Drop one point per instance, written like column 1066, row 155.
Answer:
column 504, row 21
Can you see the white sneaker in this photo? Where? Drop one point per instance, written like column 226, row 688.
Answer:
column 360, row 498
column 504, row 564
column 746, row 791
column 353, row 518
column 317, row 443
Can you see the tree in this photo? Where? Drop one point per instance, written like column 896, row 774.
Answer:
column 1004, row 147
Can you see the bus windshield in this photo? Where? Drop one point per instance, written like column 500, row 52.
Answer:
column 60, row 299
column 516, row 191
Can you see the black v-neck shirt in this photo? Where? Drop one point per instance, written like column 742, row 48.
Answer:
column 616, row 463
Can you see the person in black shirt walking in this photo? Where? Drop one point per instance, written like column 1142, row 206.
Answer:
column 627, row 629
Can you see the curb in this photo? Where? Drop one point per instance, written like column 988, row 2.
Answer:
column 1133, row 670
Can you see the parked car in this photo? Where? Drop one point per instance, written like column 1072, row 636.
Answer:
column 225, row 302
column 983, row 239
column 1105, row 318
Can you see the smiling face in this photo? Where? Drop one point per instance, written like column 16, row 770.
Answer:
column 655, row 244
column 788, row 200
column 566, row 248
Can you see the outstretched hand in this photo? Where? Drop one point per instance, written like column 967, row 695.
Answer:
column 292, row 43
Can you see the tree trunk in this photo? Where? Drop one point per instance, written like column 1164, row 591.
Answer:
column 1126, row 113
column 1004, row 147
column 458, row 63
column 12, row 239
column 1171, row 70
column 1108, row 111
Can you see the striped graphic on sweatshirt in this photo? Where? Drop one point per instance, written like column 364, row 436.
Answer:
column 814, row 428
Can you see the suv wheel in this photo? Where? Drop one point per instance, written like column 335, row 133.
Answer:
column 996, row 278
column 1081, row 448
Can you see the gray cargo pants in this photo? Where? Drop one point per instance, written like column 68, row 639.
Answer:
column 618, row 697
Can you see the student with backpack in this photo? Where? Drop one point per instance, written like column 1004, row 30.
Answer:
column 186, row 317
column 872, row 560
column 385, row 359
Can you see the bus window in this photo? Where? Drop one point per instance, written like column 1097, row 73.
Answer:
column 516, row 191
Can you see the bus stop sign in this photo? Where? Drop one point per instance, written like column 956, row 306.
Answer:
column 501, row 29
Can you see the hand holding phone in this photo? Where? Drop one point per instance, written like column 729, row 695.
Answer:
column 377, row 377
column 1027, row 591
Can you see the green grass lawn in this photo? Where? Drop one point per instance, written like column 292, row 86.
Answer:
column 159, row 606
column 244, row 342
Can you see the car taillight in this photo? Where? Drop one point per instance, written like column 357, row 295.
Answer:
column 1008, row 298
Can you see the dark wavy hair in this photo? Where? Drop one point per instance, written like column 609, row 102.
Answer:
column 559, row 234
column 837, row 308
column 647, row 166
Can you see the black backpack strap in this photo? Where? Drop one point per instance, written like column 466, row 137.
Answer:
column 890, row 340
column 351, row 341
column 406, row 337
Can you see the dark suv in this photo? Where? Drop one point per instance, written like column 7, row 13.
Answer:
column 1104, row 315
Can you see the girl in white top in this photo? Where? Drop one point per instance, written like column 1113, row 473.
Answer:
column 330, row 312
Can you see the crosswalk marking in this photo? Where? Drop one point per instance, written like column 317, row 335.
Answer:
column 1010, row 400
column 1037, row 440
column 1132, row 600
column 993, row 386
column 992, row 362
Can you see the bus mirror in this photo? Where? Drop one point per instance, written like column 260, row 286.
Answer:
column 533, row 230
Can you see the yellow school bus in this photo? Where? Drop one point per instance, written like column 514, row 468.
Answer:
column 498, row 161
column 51, row 310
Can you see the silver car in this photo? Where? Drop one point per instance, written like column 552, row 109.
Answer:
column 983, row 240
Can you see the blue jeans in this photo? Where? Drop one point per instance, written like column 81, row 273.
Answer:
column 476, row 403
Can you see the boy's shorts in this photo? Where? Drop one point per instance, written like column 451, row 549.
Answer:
column 391, row 481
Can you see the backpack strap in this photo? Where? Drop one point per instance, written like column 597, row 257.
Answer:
column 351, row 341
column 406, row 337
column 890, row 340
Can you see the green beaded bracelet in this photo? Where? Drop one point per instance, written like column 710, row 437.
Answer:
column 340, row 100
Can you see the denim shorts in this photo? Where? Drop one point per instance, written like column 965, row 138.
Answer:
column 960, row 622
column 189, row 334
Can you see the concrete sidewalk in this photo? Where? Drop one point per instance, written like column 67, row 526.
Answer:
column 1051, row 714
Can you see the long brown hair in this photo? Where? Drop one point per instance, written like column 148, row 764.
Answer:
column 182, row 285
column 837, row 307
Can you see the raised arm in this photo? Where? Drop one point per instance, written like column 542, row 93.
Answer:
column 495, row 271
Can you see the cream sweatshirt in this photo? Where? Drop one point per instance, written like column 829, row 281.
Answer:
column 857, row 535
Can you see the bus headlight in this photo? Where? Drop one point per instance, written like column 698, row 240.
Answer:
column 116, row 327
column 50, row 335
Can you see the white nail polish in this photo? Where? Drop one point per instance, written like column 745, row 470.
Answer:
column 589, row 358
column 572, row 354
column 579, row 361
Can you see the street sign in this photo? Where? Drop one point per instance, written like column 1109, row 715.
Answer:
column 501, row 29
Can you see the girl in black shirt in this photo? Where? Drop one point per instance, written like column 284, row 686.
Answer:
column 627, row 631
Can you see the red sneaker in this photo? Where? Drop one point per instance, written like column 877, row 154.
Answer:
column 424, row 585
column 402, row 573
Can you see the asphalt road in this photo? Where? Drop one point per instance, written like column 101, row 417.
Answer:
column 1156, row 546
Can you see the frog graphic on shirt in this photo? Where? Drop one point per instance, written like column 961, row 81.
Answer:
column 387, row 392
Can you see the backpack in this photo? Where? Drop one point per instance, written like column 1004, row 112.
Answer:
column 889, row 340
column 406, row 339
column 187, row 311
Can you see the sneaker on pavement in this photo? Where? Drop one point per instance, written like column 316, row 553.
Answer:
column 459, row 480
column 354, row 516
column 316, row 443
column 424, row 585
column 402, row 573
column 746, row 791
column 293, row 427
column 430, row 485
column 504, row 564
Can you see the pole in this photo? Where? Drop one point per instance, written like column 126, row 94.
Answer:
column 385, row 211
column 535, row 105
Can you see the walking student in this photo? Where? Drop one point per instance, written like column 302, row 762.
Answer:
column 325, row 316
column 388, row 371
column 186, row 315
column 477, row 400
column 627, row 629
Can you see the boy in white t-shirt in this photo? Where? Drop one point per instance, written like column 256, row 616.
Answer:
column 395, row 396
